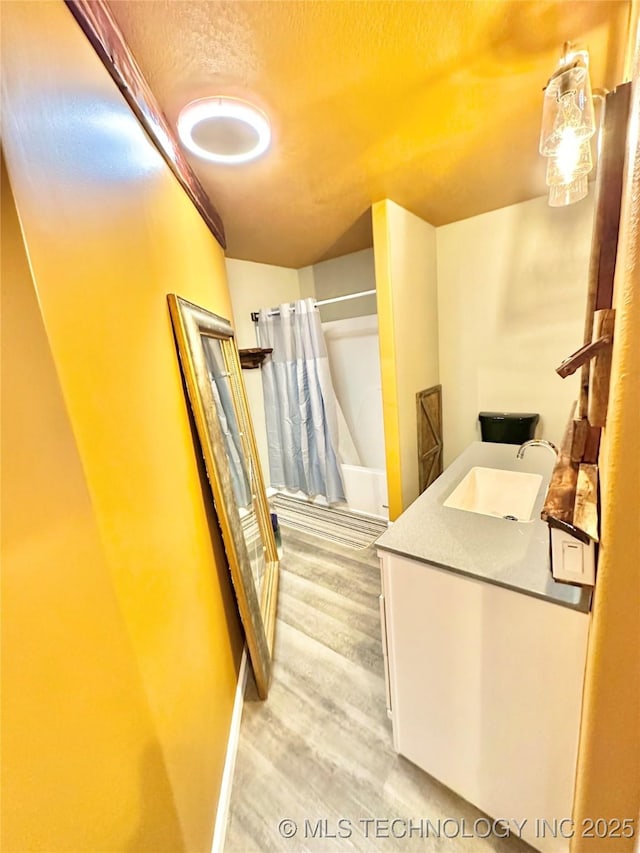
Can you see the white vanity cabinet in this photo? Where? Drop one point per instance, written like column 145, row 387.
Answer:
column 484, row 690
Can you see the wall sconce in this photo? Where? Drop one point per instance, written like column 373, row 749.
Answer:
column 568, row 123
column 560, row 195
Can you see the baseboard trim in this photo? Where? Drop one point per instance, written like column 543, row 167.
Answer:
column 222, row 812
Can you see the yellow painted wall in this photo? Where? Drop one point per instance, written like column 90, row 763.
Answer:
column 608, row 778
column 123, row 642
column 406, row 290
column 70, row 684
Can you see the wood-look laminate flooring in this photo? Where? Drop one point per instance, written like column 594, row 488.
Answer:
column 319, row 750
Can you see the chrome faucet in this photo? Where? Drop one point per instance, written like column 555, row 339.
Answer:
column 537, row 442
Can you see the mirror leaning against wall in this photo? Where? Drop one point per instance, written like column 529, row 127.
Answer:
column 211, row 368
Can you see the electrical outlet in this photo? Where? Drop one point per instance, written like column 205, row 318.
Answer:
column 572, row 561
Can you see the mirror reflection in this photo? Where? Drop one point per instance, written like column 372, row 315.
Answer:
column 238, row 454
column 211, row 367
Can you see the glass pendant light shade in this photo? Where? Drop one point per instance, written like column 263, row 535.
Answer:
column 561, row 195
column 567, row 111
column 572, row 161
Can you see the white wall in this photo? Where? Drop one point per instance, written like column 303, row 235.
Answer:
column 253, row 286
column 512, row 288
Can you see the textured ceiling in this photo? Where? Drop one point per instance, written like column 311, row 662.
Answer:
column 435, row 105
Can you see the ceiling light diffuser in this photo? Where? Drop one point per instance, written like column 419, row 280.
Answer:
column 224, row 130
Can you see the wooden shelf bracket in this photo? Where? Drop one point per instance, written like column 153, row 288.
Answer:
column 252, row 358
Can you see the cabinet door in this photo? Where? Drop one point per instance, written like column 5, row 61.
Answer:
column 486, row 688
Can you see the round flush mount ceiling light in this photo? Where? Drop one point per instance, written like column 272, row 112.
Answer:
column 224, row 130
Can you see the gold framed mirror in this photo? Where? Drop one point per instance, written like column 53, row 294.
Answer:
column 211, row 368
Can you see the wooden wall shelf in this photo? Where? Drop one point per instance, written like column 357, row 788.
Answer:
column 572, row 501
column 253, row 357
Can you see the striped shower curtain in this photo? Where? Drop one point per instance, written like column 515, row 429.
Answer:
column 300, row 404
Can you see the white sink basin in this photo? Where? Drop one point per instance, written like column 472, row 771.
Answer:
column 493, row 491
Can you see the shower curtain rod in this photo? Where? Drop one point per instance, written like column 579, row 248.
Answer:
column 275, row 311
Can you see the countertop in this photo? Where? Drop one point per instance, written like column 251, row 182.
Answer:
column 511, row 554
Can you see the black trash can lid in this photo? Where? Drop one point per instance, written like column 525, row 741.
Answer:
column 510, row 416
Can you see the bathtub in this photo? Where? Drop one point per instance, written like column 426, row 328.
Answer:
column 365, row 490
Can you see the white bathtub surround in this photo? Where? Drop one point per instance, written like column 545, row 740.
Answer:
column 347, row 450
column 365, row 492
column 354, row 358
